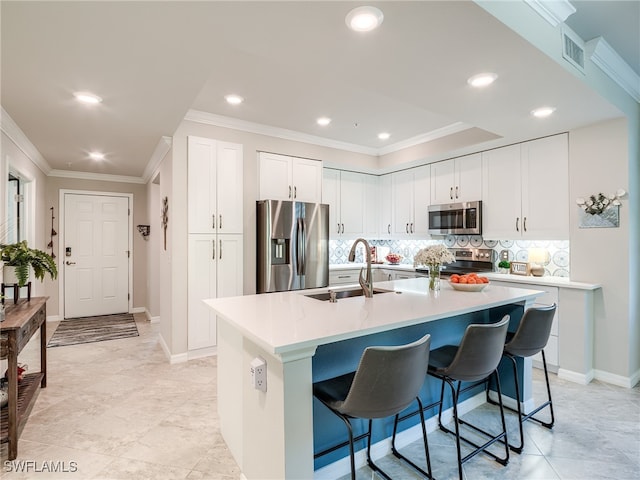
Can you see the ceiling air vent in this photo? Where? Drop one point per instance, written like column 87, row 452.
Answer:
column 573, row 49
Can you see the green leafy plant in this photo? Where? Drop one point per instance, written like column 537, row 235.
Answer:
column 20, row 256
column 504, row 264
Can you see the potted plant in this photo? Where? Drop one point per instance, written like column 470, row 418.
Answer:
column 19, row 259
column 504, row 266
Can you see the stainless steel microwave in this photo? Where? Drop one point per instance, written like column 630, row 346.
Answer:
column 456, row 219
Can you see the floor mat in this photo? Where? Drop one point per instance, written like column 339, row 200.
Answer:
column 73, row 331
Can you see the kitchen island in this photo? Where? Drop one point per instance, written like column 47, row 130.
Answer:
column 271, row 434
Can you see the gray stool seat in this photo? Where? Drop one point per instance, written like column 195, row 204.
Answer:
column 388, row 379
column 475, row 359
column 530, row 339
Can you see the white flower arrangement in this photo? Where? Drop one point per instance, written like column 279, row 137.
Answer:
column 433, row 256
column 596, row 204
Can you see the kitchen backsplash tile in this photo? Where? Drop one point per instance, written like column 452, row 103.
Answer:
column 558, row 250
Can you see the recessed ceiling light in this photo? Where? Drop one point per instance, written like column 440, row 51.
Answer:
column 482, row 79
column 323, row 121
column 384, row 136
column 96, row 156
column 542, row 112
column 364, row 19
column 234, row 99
column 87, row 97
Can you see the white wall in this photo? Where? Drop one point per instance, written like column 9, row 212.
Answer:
column 154, row 244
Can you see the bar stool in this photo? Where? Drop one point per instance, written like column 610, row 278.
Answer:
column 530, row 338
column 387, row 381
column 476, row 359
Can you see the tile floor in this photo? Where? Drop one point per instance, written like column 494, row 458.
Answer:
column 118, row 410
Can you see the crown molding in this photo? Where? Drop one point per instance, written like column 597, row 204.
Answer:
column 608, row 60
column 102, row 177
column 162, row 148
column 17, row 136
column 236, row 124
column 260, row 129
column 553, row 11
column 425, row 137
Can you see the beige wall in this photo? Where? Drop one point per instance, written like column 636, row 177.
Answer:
column 165, row 255
column 599, row 163
column 139, row 211
column 12, row 158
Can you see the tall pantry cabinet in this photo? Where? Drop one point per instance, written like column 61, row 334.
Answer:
column 215, row 201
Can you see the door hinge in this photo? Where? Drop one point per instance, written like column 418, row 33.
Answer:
column 128, row 211
column 128, row 253
column 128, row 296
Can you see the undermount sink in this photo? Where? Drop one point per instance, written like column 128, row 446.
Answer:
column 355, row 292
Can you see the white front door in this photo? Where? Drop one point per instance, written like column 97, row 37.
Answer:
column 96, row 259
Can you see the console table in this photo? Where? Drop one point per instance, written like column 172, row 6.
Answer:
column 22, row 320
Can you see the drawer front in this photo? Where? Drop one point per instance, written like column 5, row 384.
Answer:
column 27, row 331
column 343, row 277
column 4, row 346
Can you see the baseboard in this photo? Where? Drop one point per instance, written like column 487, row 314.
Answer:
column 179, row 358
column 202, row 352
column 619, row 380
column 137, row 310
column 581, row 378
column 382, row 448
column 150, row 317
column 512, row 403
column 53, row 318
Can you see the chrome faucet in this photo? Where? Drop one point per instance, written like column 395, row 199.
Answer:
column 367, row 282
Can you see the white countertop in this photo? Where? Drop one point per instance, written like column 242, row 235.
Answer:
column 549, row 281
column 285, row 322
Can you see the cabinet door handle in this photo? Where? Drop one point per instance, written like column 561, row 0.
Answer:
column 220, row 257
column 456, row 191
column 412, row 231
column 220, row 223
column 213, row 221
column 295, row 192
column 338, row 230
column 70, row 263
column 517, row 224
column 344, row 276
column 451, row 193
column 389, row 229
column 213, row 249
column 289, row 191
column 342, row 228
column 524, row 224
column 406, row 228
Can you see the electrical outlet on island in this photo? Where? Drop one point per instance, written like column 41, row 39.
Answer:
column 259, row 374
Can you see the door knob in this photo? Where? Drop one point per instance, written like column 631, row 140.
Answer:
column 70, row 263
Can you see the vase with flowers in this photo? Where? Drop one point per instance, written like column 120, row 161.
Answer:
column 433, row 257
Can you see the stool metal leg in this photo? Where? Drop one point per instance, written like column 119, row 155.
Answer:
column 397, row 454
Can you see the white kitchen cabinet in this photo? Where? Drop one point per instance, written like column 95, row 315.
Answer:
column 457, row 180
column 215, row 179
column 352, row 199
column 215, row 271
column 411, row 198
column 289, row 178
column 525, row 190
column 385, row 206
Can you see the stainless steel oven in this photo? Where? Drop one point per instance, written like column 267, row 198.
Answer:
column 456, row 219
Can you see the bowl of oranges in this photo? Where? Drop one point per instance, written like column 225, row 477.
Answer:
column 470, row 282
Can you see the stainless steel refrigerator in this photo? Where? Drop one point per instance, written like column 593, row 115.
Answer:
column 292, row 245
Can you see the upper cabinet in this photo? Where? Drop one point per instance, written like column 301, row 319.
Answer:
column 289, row 178
column 352, row 203
column 410, row 199
column 215, row 182
column 385, row 206
column 525, row 190
column 457, row 180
